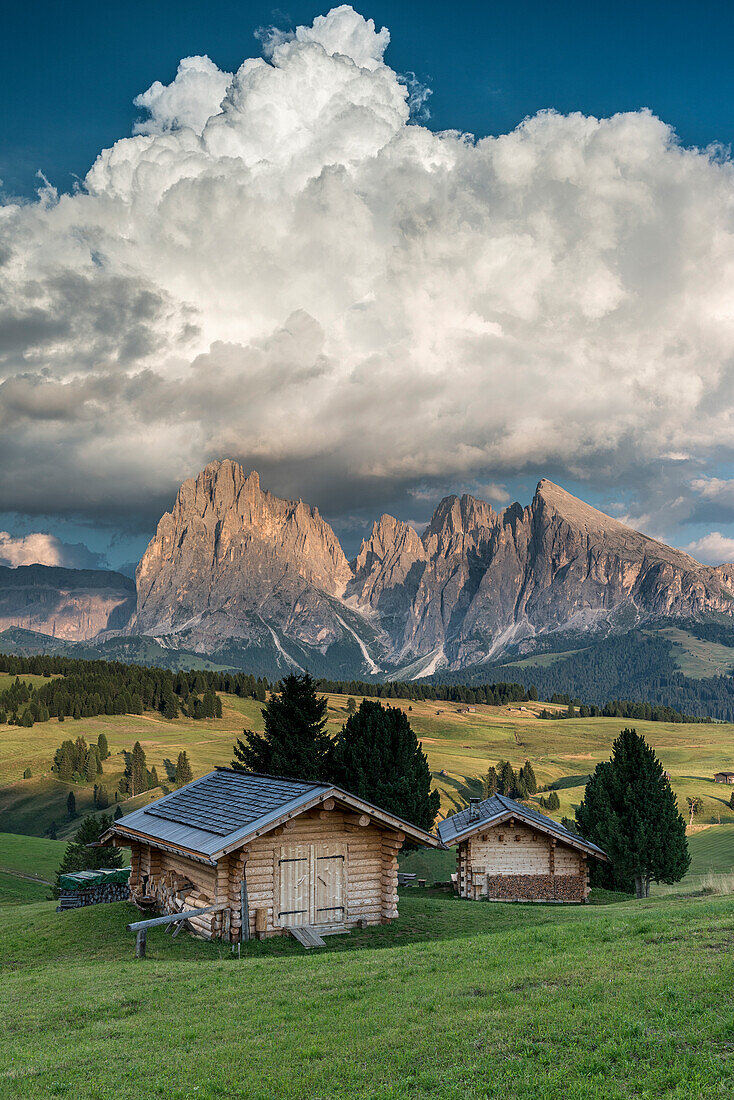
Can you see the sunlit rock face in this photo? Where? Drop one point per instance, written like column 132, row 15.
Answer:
column 232, row 562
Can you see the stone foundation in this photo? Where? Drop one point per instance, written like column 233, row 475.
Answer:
column 536, row 887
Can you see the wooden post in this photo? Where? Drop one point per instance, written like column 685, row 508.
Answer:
column 244, row 910
column 140, row 944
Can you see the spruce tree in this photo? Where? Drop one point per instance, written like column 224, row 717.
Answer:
column 184, row 773
column 71, row 804
column 102, row 747
column 138, row 772
column 93, row 767
column 295, row 742
column 490, row 782
column 377, row 757
column 507, row 779
column 553, row 802
column 630, row 811
column 529, row 776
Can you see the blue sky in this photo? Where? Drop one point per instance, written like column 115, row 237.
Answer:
column 69, row 72
column 68, row 77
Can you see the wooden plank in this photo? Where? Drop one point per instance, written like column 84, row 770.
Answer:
column 307, row 936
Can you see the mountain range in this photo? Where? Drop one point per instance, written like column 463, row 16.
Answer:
column 239, row 577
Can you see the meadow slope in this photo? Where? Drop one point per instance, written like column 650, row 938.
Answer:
column 454, row 1000
column 460, row 745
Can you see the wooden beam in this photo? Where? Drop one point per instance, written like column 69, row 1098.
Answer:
column 140, row 944
column 328, row 804
column 142, row 925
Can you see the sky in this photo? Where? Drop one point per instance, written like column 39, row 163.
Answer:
column 379, row 255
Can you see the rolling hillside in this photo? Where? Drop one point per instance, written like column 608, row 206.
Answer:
column 459, row 744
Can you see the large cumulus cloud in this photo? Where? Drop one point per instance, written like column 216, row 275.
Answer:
column 41, row 548
column 281, row 266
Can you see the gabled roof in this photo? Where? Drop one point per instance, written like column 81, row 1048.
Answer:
column 498, row 808
column 224, row 809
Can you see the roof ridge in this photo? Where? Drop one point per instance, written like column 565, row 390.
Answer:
column 267, row 775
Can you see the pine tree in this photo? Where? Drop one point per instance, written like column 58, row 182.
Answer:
column 490, row 782
column 507, row 778
column 295, row 742
column 553, row 802
column 528, row 775
column 52, row 831
column 630, row 811
column 152, row 778
column 80, row 857
column 103, row 747
column 92, row 765
column 118, row 813
column 731, row 801
column 377, row 757
column 351, row 705
column 138, row 780
column 184, row 773
column 103, row 798
column 71, row 805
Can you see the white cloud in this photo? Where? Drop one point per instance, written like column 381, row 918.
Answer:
column 281, row 267
column 715, row 489
column 712, row 549
column 44, row 549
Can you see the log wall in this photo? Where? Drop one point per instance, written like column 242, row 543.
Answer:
column 515, row 862
column 179, row 883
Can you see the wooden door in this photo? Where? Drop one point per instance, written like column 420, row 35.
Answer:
column 293, row 903
column 329, row 868
column 311, row 884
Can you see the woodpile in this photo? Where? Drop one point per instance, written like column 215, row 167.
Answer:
column 94, row 895
column 536, row 887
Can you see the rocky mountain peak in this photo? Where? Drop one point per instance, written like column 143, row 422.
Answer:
column 233, row 561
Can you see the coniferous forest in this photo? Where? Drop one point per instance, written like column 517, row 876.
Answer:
column 77, row 688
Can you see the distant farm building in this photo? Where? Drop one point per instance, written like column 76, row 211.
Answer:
column 268, row 853
column 724, row 777
column 508, row 852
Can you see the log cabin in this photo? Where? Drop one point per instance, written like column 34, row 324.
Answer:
column 509, row 852
column 273, row 853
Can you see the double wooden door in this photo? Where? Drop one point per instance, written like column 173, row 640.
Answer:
column 311, row 884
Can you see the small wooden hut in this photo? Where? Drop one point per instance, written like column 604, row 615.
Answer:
column 724, row 777
column 274, row 853
column 509, row 852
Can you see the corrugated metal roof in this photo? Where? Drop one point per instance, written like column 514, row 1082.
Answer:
column 466, row 821
column 220, row 808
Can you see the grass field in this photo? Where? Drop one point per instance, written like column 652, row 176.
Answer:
column 459, row 745
column 454, row 1000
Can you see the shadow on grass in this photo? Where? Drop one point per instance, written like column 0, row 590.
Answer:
column 566, row 781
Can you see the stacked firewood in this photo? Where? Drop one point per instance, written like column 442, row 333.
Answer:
column 94, row 895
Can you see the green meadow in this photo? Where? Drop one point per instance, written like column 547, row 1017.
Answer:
column 460, row 746
column 453, row 1000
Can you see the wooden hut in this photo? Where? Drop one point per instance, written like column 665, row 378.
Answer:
column 509, row 852
column 274, row 853
column 724, row 777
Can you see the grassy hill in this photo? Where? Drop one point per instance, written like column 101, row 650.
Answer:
column 460, row 745
column 454, row 1000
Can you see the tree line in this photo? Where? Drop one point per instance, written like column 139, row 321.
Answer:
column 84, row 689
column 637, row 667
